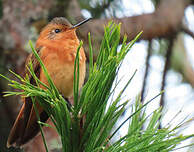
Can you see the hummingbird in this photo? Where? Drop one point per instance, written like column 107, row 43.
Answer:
column 57, row 47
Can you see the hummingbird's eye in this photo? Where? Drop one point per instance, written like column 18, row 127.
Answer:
column 57, row 30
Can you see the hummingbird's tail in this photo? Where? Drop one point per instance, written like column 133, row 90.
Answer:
column 26, row 126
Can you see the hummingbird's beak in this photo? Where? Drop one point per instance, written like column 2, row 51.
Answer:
column 80, row 23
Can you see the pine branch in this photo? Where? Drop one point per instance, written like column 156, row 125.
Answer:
column 146, row 70
column 166, row 67
column 187, row 31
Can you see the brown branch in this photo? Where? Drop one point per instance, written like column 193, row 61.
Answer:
column 187, row 31
column 146, row 70
column 162, row 23
column 166, row 67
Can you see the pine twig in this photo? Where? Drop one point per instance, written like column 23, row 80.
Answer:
column 187, row 31
column 166, row 67
column 146, row 70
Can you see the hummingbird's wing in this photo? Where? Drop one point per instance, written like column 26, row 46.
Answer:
column 26, row 126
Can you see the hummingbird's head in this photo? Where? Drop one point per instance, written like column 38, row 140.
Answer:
column 60, row 28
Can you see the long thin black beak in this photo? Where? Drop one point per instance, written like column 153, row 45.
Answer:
column 80, row 23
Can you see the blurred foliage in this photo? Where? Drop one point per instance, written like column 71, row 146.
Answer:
column 159, row 47
column 59, row 9
column 156, row 2
column 178, row 58
column 98, row 8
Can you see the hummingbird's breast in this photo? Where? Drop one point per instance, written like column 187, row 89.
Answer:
column 59, row 62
